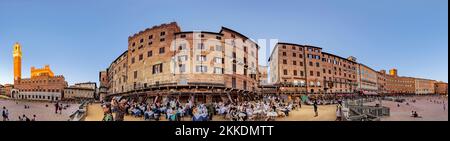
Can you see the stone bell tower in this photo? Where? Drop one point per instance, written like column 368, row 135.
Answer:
column 17, row 54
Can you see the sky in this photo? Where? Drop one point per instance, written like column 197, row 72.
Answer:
column 80, row 38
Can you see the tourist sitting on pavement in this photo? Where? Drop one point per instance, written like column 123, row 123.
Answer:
column 196, row 115
column 173, row 115
column 242, row 116
column 289, row 108
column 416, row 115
column 136, row 111
column 148, row 114
column 25, row 118
column 169, row 113
column 233, row 115
column 249, row 112
column 180, row 113
column 163, row 109
column 271, row 115
column 127, row 108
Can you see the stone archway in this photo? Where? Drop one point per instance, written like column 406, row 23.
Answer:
column 14, row 94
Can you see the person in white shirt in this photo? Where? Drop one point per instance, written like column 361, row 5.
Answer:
column 169, row 113
column 249, row 112
column 180, row 112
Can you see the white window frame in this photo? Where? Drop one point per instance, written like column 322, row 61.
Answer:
column 201, row 69
column 218, row 60
column 218, row 70
column 202, row 58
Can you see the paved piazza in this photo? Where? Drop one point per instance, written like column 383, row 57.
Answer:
column 43, row 113
column 429, row 108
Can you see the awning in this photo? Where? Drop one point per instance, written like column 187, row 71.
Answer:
column 369, row 93
column 345, row 94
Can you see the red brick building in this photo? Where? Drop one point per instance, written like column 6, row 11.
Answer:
column 165, row 61
column 441, row 88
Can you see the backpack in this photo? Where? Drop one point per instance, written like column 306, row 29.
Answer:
column 108, row 117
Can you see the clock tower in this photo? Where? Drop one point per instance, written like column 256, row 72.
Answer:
column 17, row 54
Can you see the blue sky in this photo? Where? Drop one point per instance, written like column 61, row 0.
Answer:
column 80, row 38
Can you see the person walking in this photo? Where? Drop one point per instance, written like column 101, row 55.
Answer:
column 5, row 114
column 444, row 106
column 56, row 107
column 210, row 112
column 60, row 108
column 300, row 104
column 315, row 109
column 339, row 113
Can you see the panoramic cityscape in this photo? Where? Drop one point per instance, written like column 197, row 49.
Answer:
column 166, row 73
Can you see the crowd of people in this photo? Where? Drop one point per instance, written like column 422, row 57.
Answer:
column 25, row 118
column 267, row 108
column 324, row 101
column 434, row 101
column 169, row 109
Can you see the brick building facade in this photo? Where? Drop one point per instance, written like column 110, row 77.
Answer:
column 441, row 88
column 164, row 61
